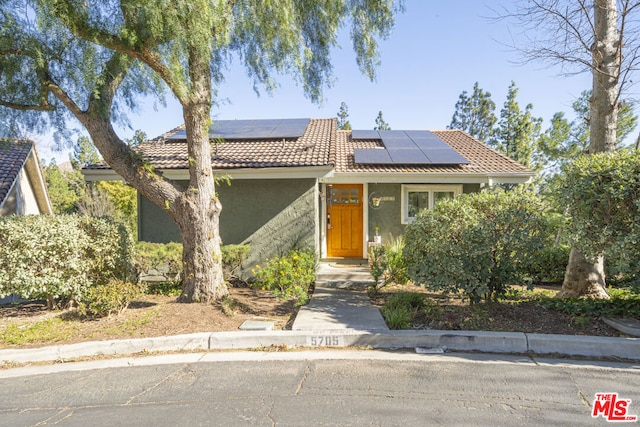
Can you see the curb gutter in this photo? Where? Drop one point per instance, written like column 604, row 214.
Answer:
column 487, row 342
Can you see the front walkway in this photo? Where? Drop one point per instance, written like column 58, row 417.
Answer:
column 340, row 301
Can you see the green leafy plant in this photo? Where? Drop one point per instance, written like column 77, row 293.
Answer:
column 232, row 258
column 165, row 256
column 111, row 298
column 400, row 309
column 478, row 244
column 602, row 192
column 388, row 264
column 288, row 276
column 61, row 257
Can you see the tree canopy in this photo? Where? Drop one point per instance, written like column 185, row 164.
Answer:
column 93, row 60
column 475, row 114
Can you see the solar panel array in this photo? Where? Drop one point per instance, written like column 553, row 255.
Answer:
column 253, row 129
column 411, row 147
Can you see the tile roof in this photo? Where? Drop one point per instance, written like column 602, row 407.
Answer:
column 483, row 160
column 323, row 145
column 13, row 156
column 311, row 149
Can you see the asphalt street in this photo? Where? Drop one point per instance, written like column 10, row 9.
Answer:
column 322, row 388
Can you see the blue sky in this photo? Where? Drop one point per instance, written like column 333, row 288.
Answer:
column 437, row 50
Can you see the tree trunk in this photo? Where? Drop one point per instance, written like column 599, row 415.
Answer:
column 583, row 278
column 606, row 70
column 197, row 210
column 197, row 214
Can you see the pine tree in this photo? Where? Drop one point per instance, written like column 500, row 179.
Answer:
column 380, row 123
column 517, row 132
column 475, row 114
column 343, row 117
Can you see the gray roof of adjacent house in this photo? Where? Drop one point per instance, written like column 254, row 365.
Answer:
column 319, row 145
column 17, row 155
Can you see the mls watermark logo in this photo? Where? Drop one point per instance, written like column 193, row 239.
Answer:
column 612, row 408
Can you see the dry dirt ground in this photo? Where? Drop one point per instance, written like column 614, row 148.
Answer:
column 454, row 313
column 32, row 325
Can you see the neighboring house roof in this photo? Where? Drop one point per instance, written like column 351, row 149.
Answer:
column 17, row 155
column 322, row 145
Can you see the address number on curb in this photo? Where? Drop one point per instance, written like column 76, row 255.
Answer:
column 325, row 341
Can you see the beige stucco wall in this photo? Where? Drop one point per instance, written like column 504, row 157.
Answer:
column 21, row 200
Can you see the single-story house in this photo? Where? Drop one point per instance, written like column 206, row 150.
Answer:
column 304, row 183
column 23, row 190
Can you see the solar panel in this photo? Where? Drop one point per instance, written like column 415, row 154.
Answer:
column 408, row 156
column 426, row 139
column 253, row 129
column 398, row 142
column 445, row 156
column 374, row 156
column 365, row 134
column 408, row 147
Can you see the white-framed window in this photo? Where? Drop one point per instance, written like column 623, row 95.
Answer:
column 416, row 197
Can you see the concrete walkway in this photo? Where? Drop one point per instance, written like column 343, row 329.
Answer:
column 340, row 301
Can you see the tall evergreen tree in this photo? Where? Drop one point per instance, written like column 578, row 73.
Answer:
column 564, row 141
column 380, row 123
column 517, row 132
column 475, row 114
column 343, row 117
column 84, row 153
column 93, row 59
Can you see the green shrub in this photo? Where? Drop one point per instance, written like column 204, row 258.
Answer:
column 388, row 264
column 548, row 264
column 289, row 276
column 111, row 298
column 406, row 299
column 167, row 256
column 60, row 257
column 400, row 309
column 623, row 302
column 398, row 317
column 232, row 258
column 476, row 243
column 169, row 289
column 602, row 192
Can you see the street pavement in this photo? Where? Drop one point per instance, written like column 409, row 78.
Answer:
column 316, row 388
column 340, row 315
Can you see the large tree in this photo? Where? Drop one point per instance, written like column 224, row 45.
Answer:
column 566, row 140
column 91, row 60
column 475, row 114
column 602, row 37
column 517, row 132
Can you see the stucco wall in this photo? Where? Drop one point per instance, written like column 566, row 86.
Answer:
column 388, row 216
column 271, row 215
column 21, row 200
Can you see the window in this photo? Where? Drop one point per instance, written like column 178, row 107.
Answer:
column 418, row 197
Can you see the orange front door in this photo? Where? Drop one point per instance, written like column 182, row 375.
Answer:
column 344, row 221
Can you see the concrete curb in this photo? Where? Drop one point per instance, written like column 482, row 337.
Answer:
column 481, row 341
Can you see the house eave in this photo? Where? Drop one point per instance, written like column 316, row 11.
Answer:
column 430, row 178
column 244, row 173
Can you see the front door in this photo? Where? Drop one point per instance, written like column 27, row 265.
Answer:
column 344, row 221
